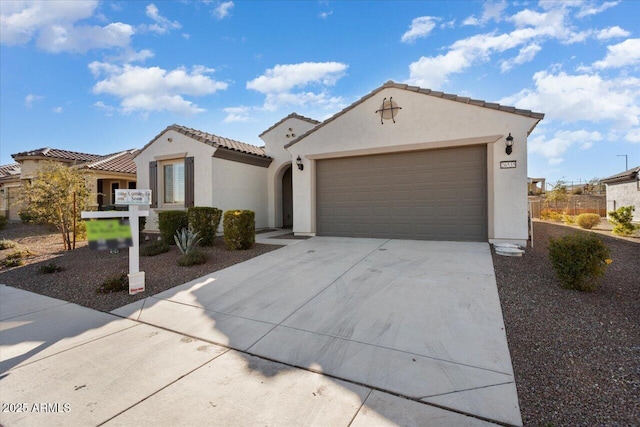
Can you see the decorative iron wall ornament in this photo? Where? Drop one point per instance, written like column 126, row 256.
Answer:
column 388, row 110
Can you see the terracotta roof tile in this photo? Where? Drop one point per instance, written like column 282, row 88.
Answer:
column 451, row 97
column 118, row 162
column 56, row 154
column 213, row 140
column 9, row 171
column 291, row 116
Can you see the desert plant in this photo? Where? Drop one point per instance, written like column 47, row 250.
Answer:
column 186, row 240
column 50, row 268
column 578, row 259
column 568, row 219
column 16, row 258
column 239, row 229
column 7, row 244
column 154, row 248
column 621, row 220
column 205, row 221
column 169, row 222
column 588, row 220
column 116, row 283
column 192, row 258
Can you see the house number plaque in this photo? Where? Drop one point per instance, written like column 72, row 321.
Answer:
column 509, row 164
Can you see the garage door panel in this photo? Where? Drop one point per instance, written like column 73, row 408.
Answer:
column 432, row 195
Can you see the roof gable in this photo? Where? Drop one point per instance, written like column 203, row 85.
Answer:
column 211, row 139
column 428, row 92
column 627, row 175
column 291, row 116
column 118, row 162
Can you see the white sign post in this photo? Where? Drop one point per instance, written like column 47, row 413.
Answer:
column 133, row 198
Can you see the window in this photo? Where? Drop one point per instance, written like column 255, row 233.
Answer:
column 174, row 182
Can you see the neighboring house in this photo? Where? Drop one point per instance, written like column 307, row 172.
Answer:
column 623, row 189
column 105, row 174
column 186, row 167
column 402, row 162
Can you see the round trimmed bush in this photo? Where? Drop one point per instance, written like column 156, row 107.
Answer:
column 588, row 220
column 204, row 221
column 239, row 229
column 578, row 259
column 169, row 222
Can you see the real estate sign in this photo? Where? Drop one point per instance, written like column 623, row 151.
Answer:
column 133, row 197
column 109, row 234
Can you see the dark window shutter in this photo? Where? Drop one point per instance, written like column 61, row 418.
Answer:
column 153, row 183
column 189, row 195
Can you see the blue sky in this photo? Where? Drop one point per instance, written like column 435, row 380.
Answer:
column 101, row 77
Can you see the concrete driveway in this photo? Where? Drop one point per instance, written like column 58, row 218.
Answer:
column 379, row 331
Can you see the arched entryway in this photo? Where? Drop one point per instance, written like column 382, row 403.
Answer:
column 287, row 198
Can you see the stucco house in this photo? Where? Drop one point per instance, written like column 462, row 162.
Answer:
column 623, row 189
column 105, row 174
column 401, row 162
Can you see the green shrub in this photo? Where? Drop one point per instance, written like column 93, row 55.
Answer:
column 204, row 221
column 621, row 219
column 169, row 222
column 568, row 219
column 239, row 229
column 7, row 244
column 588, row 220
column 16, row 258
column 3, row 222
column 142, row 223
column 116, row 283
column 26, row 217
column 50, row 268
column 578, row 259
column 154, row 248
column 550, row 215
column 192, row 258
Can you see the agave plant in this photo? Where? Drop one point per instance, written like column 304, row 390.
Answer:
column 186, row 240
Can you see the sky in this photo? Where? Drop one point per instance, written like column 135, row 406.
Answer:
column 105, row 76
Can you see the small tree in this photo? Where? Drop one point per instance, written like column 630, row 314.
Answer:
column 558, row 194
column 622, row 220
column 56, row 196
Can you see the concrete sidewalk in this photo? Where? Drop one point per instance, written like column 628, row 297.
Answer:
column 62, row 364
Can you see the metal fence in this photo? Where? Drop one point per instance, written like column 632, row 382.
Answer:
column 574, row 205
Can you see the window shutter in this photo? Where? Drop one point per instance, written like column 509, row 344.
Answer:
column 189, row 194
column 153, row 183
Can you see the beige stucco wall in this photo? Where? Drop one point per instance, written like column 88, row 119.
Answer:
column 223, row 184
column 424, row 122
column 624, row 194
column 275, row 140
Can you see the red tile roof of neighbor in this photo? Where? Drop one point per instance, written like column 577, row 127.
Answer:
column 121, row 162
column 213, row 140
column 9, row 171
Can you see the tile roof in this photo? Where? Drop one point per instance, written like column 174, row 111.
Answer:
column 56, row 154
column 623, row 176
column 117, row 162
column 9, row 171
column 213, row 140
column 451, row 97
column 292, row 116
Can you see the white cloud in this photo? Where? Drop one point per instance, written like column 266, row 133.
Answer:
column 223, row 9
column 31, row 98
column 526, row 54
column 53, row 25
column 278, row 84
column 491, row 10
column 325, row 15
column 236, row 114
column 420, row 28
column 621, row 54
column 57, row 110
column 162, row 25
column 554, row 148
column 591, row 8
column 153, row 88
column 583, row 97
column 633, row 135
column 612, row 32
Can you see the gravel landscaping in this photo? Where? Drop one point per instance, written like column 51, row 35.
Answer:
column 86, row 269
column 576, row 355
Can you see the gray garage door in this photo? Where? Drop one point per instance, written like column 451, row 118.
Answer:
column 425, row 195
